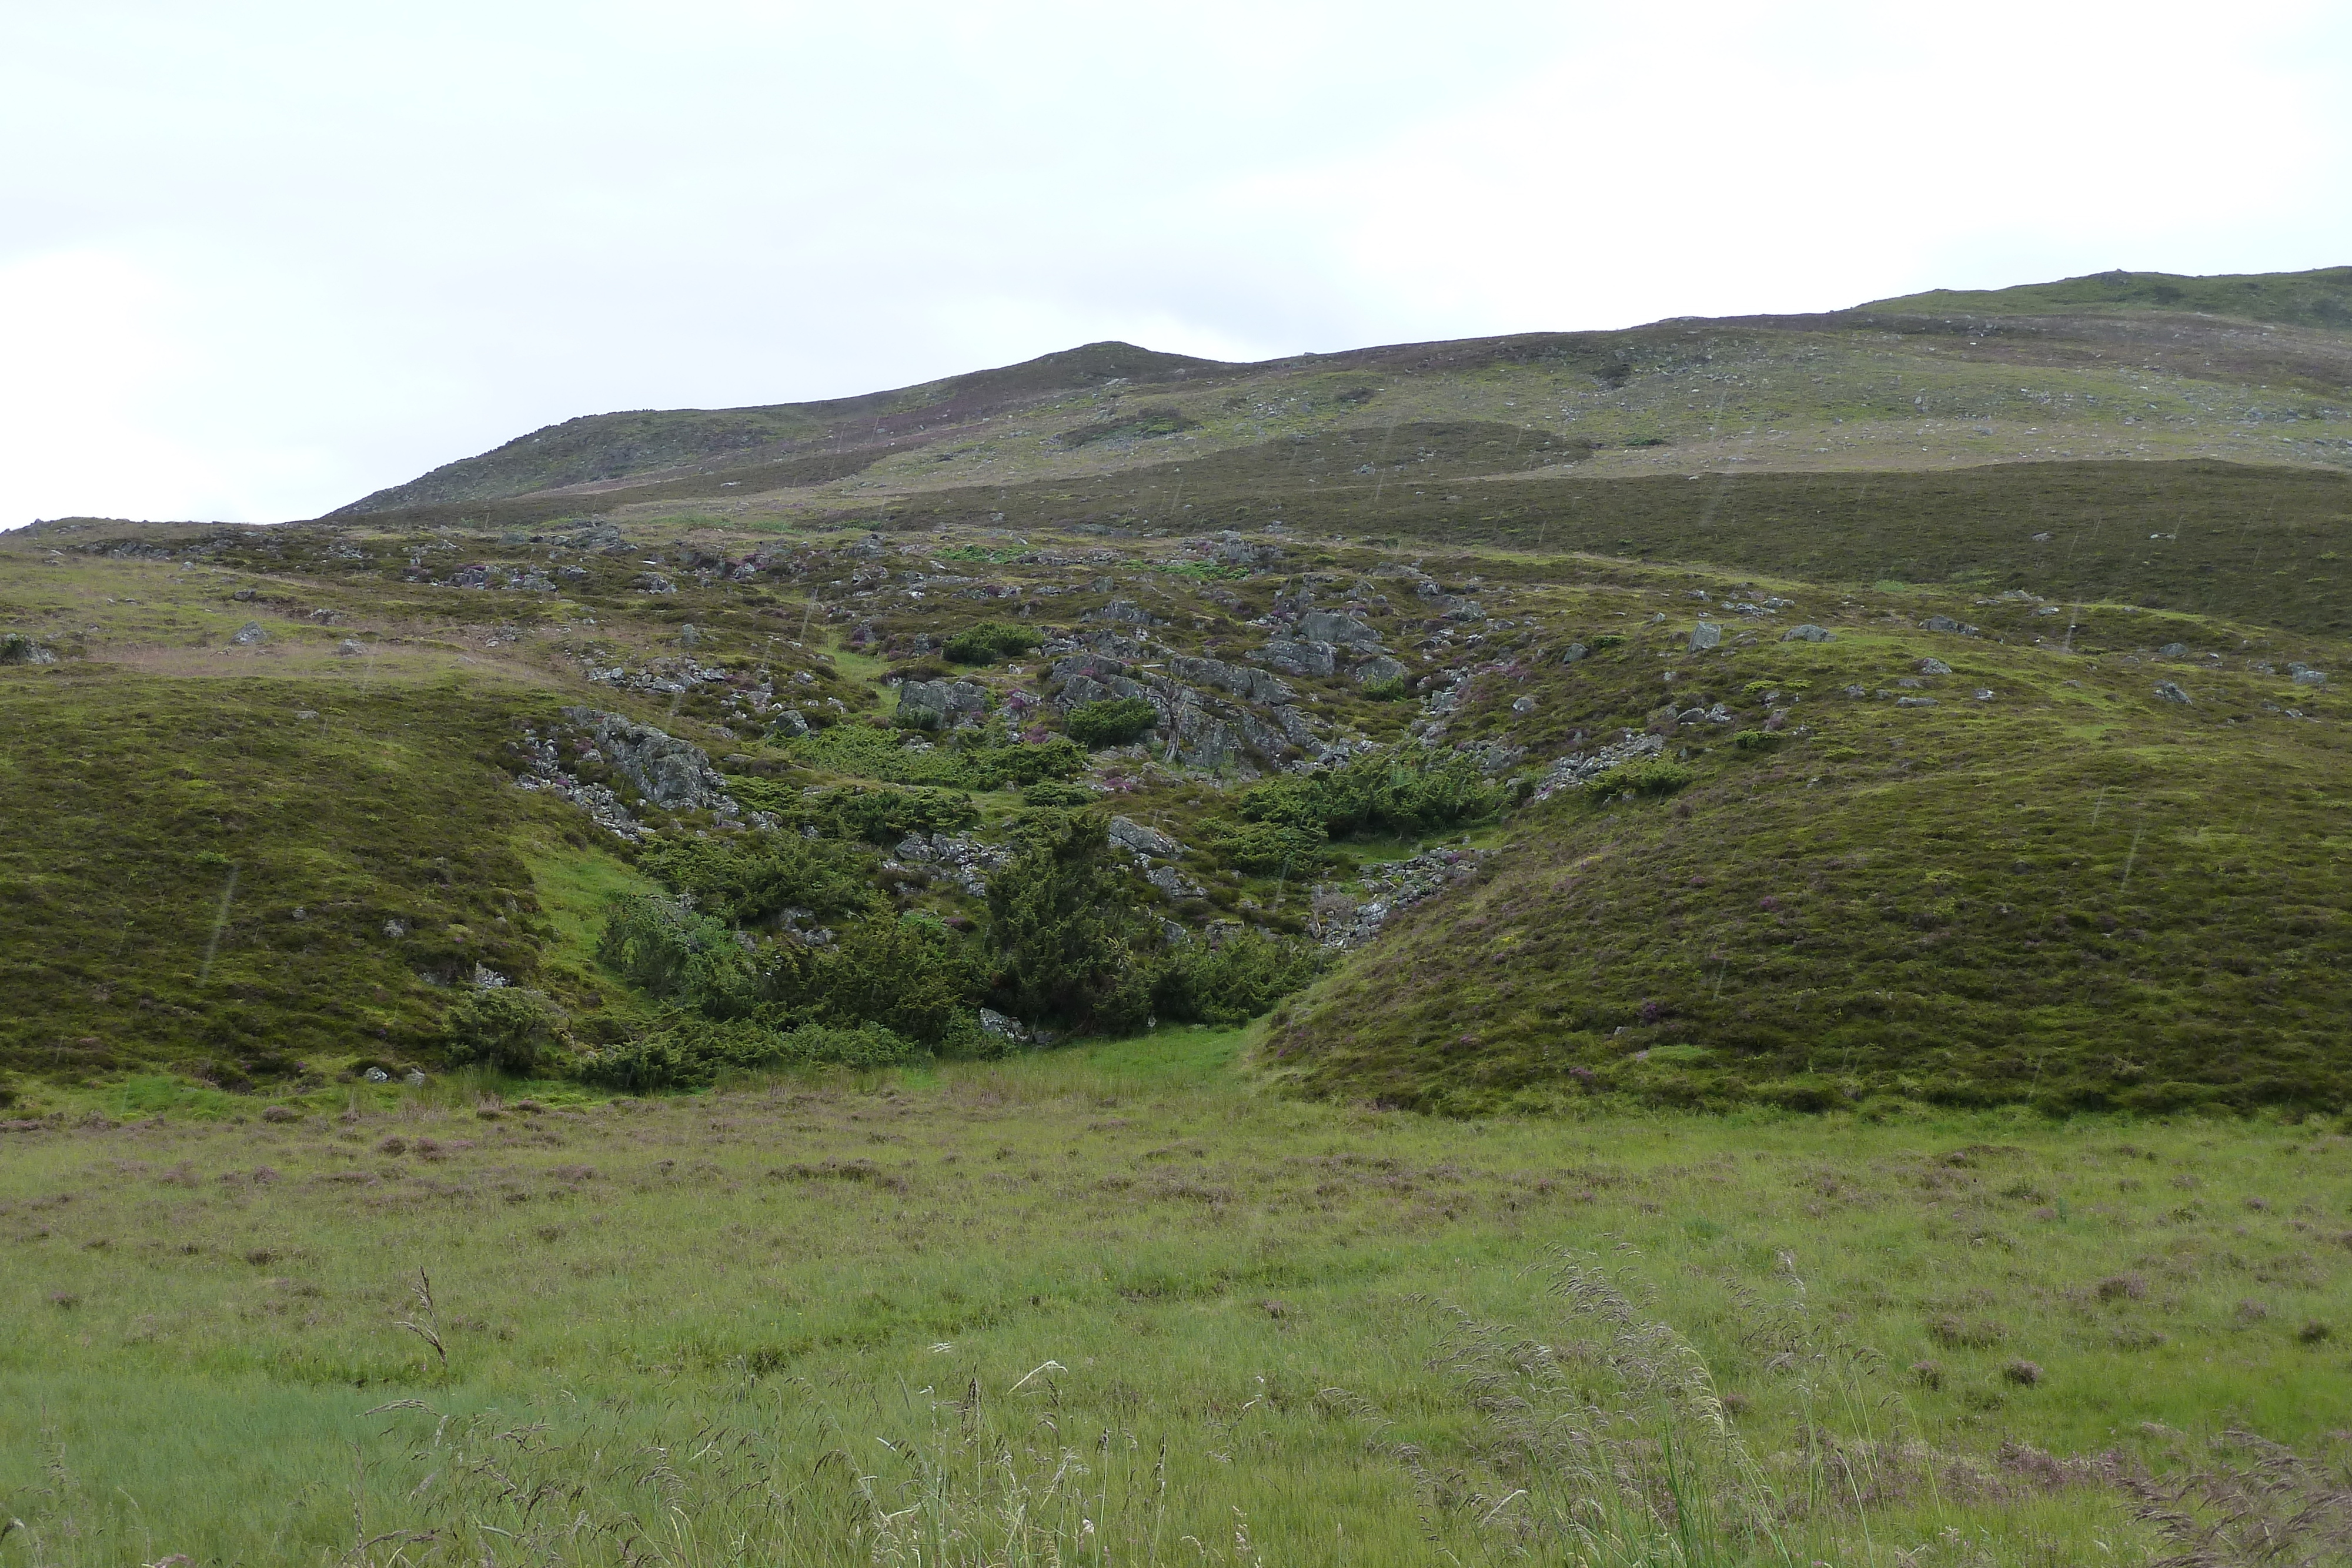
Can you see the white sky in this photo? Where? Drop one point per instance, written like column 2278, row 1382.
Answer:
column 258, row 259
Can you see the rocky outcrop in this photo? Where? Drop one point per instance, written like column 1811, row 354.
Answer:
column 1253, row 685
column 671, row 773
column 941, row 704
column 1578, row 768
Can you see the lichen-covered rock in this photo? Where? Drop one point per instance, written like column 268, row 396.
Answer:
column 1705, row 635
column 671, row 773
column 1241, row 680
column 1134, row 835
column 940, row 705
column 1383, row 668
column 249, row 636
column 1327, row 626
column 1809, row 633
column 1298, row 658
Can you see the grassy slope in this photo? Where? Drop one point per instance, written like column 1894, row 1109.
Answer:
column 2032, row 374
column 2073, row 893
column 1258, row 1296
column 2321, row 297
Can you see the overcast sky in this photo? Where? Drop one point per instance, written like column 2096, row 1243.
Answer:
column 258, row 260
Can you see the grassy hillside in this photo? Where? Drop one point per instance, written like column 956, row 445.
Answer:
column 2049, row 373
column 2321, row 297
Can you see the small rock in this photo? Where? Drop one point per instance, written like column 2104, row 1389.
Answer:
column 414, row 1078
column 2173, row 650
column 1808, row 633
column 349, row 647
column 2041, row 539
column 376, row 1075
column 245, row 595
column 687, row 637
column 1914, row 702
column 1575, row 651
column 1383, row 668
column 246, row 635
column 1146, row 840
column 2167, row 692
column 2304, row 675
column 1934, row 668
column 1856, row 691
column 395, row 928
column 1705, row 635
column 1524, row 705
column 1945, row 623
column 788, row 725
column 1002, row 1026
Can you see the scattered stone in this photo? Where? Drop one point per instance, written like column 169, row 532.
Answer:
column 1934, row 668
column 652, row 582
column 2305, row 676
column 1705, row 635
column 414, row 1078
column 2174, row 651
column 1574, row 770
column 1945, row 623
column 245, row 595
column 1380, row 669
column 349, row 647
column 1576, row 650
column 1523, row 704
column 1295, row 658
column 249, row 634
column 1856, row 691
column 376, row 1075
column 788, row 725
column 1123, row 611
column 687, row 637
column 395, row 928
column 2170, row 693
column 1808, row 633
column 1397, row 886
column 1914, row 702
column 488, row 980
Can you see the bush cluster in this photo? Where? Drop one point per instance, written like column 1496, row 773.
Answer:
column 1069, row 943
column 1119, row 721
column 989, row 642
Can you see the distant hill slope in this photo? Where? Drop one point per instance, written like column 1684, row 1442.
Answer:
column 830, row 439
column 2321, row 297
column 2131, row 367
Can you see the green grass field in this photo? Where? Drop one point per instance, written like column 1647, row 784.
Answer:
column 1120, row 1304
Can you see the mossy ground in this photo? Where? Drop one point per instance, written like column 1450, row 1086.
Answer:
column 1259, row 1295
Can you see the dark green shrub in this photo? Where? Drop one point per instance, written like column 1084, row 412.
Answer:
column 1235, row 982
column 1264, row 848
column 910, row 975
column 1393, row 689
column 661, row 946
column 985, row 759
column 1757, row 740
column 1653, row 777
column 1067, row 931
column 502, row 1027
column 1375, row 795
column 750, row 876
column 885, row 816
column 693, row 1052
column 989, row 642
column 995, row 766
column 1118, row 722
column 1058, row 795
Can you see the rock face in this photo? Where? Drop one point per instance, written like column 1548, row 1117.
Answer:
column 1145, row 840
column 668, row 771
column 1301, row 658
column 1325, row 626
column 1253, row 685
column 1808, row 633
column 940, row 705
